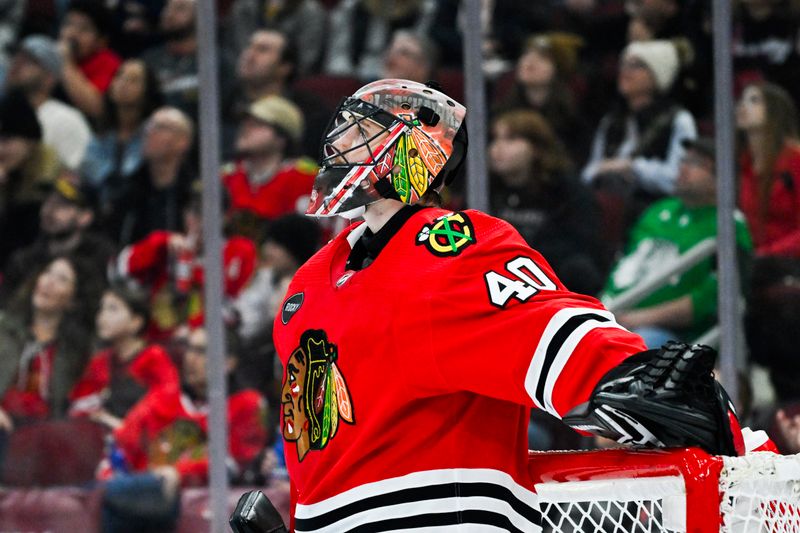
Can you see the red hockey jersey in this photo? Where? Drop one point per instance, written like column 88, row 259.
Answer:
column 278, row 196
column 408, row 384
column 173, row 430
column 152, row 369
column 149, row 262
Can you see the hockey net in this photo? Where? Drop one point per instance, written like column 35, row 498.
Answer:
column 670, row 491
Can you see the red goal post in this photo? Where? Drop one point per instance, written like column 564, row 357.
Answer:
column 670, row 491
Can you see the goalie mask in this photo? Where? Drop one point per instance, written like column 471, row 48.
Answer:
column 391, row 139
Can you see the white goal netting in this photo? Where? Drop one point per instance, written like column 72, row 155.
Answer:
column 760, row 492
column 753, row 494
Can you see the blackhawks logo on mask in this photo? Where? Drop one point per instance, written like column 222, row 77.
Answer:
column 314, row 396
column 448, row 235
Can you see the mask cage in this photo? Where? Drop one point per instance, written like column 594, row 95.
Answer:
column 353, row 118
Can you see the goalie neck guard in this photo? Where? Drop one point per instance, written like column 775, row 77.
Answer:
column 391, row 139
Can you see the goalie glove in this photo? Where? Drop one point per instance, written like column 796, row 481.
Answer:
column 664, row 398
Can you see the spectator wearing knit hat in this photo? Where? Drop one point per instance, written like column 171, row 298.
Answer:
column 637, row 147
column 36, row 71
column 26, row 165
column 89, row 65
column 264, row 183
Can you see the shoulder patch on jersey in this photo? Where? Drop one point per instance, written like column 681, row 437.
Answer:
column 314, row 394
column 291, row 306
column 448, row 235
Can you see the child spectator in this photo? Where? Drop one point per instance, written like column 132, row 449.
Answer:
column 129, row 373
column 289, row 242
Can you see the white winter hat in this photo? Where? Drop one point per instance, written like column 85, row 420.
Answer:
column 661, row 58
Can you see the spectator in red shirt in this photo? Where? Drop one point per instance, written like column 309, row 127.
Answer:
column 167, row 447
column 770, row 168
column 170, row 265
column 129, row 374
column 89, row 65
column 44, row 341
column 264, row 183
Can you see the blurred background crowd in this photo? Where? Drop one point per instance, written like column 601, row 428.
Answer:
column 600, row 153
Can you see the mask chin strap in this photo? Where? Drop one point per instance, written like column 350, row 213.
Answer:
column 385, row 188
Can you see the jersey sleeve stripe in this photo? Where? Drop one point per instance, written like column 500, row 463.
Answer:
column 560, row 338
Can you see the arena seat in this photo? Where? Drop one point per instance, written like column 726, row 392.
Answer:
column 73, row 509
column 52, row 453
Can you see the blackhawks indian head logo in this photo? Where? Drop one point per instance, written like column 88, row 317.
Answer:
column 448, row 235
column 314, row 396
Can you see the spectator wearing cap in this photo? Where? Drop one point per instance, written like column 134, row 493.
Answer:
column 686, row 306
column 36, row 71
column 26, row 167
column 155, row 195
column 65, row 222
column 542, row 79
column 89, row 64
column 264, row 183
column 265, row 67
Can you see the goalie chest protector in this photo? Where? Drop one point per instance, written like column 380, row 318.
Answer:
column 407, row 384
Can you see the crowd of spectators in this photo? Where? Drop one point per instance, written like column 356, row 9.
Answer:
column 600, row 154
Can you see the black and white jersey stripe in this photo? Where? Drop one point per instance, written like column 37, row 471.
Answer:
column 560, row 338
column 448, row 500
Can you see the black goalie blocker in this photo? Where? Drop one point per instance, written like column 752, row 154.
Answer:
column 255, row 514
column 664, row 398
